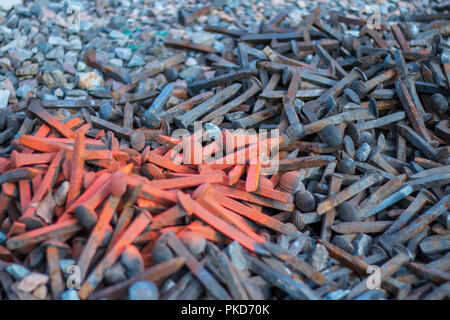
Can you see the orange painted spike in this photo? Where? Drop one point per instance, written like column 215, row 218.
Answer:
column 204, row 169
column 168, row 141
column 45, row 185
column 9, row 189
column 235, row 174
column 168, row 164
column 53, row 144
column 206, row 231
column 100, row 182
column 253, row 174
column 77, row 168
column 100, row 135
column 275, row 179
column 254, row 198
column 72, row 123
column 168, row 217
column 152, row 171
column 184, row 202
column 151, row 192
column 83, row 129
column 186, row 182
column 159, row 151
column 24, row 194
column 120, row 156
column 224, row 227
column 241, row 156
column 95, row 237
column 265, row 182
column 250, row 212
column 20, row 159
column 150, row 205
column 229, row 216
column 4, row 164
column 35, row 182
column 267, row 192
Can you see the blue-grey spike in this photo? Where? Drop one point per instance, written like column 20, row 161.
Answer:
column 389, row 201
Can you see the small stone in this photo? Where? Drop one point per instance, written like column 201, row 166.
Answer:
column 318, row 257
column 40, row 292
column 191, row 62
column 136, row 61
column 70, row 294
column 43, row 47
column 117, row 63
column 204, row 38
column 7, row 5
column 61, row 194
column 193, row 241
column 4, row 98
column 20, row 54
column 114, row 34
column 81, row 66
column 219, row 46
column 57, row 41
column 143, row 290
column 305, row 201
column 32, row 281
column 76, row 93
column 17, row 271
column 132, row 260
column 85, row 216
column 19, row 42
column 54, row 79
column 49, row 81
column 28, row 70
column 191, row 73
column 123, row 53
column 89, row 79
column 75, row 44
column 115, row 274
column 55, row 54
